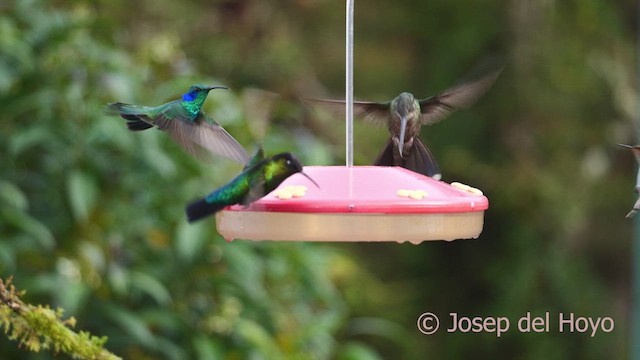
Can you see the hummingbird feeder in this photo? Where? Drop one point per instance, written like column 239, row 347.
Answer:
column 358, row 203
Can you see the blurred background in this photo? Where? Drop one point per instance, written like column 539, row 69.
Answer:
column 92, row 215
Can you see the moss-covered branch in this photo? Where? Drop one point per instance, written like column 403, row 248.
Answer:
column 42, row 328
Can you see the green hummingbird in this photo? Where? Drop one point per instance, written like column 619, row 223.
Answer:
column 405, row 116
column 636, row 153
column 185, row 122
column 259, row 177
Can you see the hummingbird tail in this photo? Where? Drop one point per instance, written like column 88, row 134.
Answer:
column 422, row 161
column 135, row 124
column 418, row 159
column 201, row 208
column 134, row 115
column 386, row 156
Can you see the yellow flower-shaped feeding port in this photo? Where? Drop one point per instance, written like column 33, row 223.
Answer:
column 291, row 191
column 412, row 194
column 467, row 188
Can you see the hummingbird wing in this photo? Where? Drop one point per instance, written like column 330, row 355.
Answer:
column 202, row 134
column 438, row 107
column 259, row 156
column 372, row 112
column 205, row 133
column 256, row 186
column 256, row 193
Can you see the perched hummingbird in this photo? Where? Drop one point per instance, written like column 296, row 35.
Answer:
column 405, row 116
column 636, row 152
column 259, row 177
column 185, row 122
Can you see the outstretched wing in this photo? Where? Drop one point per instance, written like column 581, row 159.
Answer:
column 372, row 112
column 256, row 189
column 438, row 107
column 259, row 156
column 203, row 133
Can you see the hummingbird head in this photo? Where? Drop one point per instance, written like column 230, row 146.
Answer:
column 405, row 103
column 406, row 109
column 287, row 165
column 199, row 92
column 193, row 99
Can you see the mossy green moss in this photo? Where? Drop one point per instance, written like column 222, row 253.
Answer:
column 38, row 328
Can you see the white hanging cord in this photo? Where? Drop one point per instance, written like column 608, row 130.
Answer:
column 349, row 83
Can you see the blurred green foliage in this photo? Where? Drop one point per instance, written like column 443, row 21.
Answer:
column 91, row 215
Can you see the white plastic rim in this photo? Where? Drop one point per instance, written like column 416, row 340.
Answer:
column 344, row 227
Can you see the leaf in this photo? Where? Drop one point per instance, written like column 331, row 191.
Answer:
column 151, row 286
column 246, row 268
column 13, row 196
column 92, row 254
column 29, row 225
column 378, row 327
column 357, row 351
column 132, row 324
column 207, row 348
column 155, row 156
column 111, row 132
column 28, row 139
column 256, row 335
column 118, row 279
column 82, row 192
column 7, row 257
column 190, row 240
column 169, row 349
column 72, row 295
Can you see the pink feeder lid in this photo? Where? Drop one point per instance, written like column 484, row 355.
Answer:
column 368, row 189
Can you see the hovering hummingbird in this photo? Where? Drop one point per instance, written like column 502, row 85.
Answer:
column 636, row 152
column 185, row 122
column 259, row 177
column 405, row 116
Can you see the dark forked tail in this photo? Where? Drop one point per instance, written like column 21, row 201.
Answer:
column 418, row 159
column 201, row 208
column 132, row 113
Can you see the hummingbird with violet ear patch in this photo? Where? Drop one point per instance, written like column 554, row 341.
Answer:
column 404, row 117
column 636, row 153
column 259, row 177
column 185, row 122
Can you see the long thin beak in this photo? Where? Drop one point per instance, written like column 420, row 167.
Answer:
column 636, row 153
column 209, row 88
column 310, row 179
column 403, row 130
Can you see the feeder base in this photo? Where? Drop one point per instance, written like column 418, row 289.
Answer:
column 340, row 227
